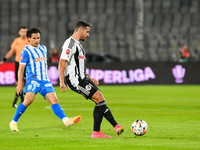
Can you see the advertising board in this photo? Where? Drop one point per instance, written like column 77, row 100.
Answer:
column 123, row 73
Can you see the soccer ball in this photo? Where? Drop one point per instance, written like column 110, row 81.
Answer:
column 139, row 127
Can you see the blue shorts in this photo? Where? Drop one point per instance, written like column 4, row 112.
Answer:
column 35, row 86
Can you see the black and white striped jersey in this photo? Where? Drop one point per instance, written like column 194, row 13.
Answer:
column 73, row 52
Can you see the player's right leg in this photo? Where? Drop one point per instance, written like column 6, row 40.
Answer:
column 14, row 105
column 16, row 76
column 97, row 133
column 31, row 89
column 20, row 110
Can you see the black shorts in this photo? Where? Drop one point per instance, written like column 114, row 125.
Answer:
column 86, row 87
column 16, row 71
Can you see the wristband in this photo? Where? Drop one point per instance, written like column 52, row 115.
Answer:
column 4, row 59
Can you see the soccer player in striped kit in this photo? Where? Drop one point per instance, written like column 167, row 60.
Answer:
column 34, row 58
column 72, row 69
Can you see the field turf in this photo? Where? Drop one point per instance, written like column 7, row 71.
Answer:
column 171, row 112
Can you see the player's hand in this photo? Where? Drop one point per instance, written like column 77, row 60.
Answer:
column 1, row 62
column 19, row 89
column 63, row 87
column 95, row 81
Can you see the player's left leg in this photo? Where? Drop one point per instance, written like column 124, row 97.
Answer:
column 50, row 96
column 105, row 111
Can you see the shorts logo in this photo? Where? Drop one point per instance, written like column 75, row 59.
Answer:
column 35, row 83
column 88, row 87
column 67, row 51
column 48, row 84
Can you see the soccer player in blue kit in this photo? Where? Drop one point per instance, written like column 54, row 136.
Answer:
column 34, row 57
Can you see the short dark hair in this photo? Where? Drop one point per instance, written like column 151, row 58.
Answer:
column 81, row 23
column 32, row 30
column 22, row 27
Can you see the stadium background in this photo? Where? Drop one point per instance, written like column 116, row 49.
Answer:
column 148, row 32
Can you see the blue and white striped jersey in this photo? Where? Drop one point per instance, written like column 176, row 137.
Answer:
column 35, row 59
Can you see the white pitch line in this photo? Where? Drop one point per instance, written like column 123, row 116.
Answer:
column 49, row 107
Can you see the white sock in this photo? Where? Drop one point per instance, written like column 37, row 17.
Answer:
column 65, row 119
column 13, row 121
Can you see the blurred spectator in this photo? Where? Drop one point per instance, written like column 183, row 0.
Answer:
column 55, row 56
column 184, row 54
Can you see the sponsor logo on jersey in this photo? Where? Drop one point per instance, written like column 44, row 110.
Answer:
column 81, row 57
column 67, row 51
column 40, row 59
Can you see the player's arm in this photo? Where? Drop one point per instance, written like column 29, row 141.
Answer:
column 24, row 58
column 93, row 80
column 20, row 78
column 61, row 69
column 7, row 56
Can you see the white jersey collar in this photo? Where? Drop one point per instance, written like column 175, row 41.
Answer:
column 75, row 39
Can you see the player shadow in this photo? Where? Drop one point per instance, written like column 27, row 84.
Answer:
column 135, row 136
column 48, row 128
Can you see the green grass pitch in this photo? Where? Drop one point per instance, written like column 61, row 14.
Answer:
column 171, row 112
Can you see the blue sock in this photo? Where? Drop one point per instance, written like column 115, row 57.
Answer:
column 58, row 111
column 20, row 110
